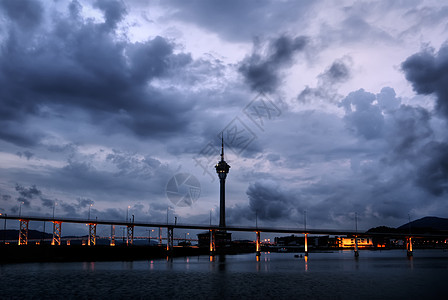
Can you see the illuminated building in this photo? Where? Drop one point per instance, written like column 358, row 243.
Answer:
column 349, row 242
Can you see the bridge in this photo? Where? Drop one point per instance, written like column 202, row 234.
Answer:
column 222, row 169
column 213, row 229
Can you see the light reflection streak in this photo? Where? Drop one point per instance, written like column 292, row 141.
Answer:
column 411, row 262
column 306, row 263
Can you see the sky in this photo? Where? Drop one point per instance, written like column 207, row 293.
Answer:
column 328, row 110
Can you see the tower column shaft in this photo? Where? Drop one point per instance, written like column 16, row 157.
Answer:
column 222, row 203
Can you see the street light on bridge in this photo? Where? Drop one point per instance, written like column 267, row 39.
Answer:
column 54, row 206
column 20, row 207
column 91, row 204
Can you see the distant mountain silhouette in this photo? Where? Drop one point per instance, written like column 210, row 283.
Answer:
column 426, row 223
column 382, row 229
column 11, row 234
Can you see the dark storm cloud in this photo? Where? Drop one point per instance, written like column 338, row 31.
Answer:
column 261, row 70
column 396, row 163
column 433, row 173
column 133, row 166
column 136, row 180
column 80, row 64
column 47, row 202
column 409, row 132
column 69, row 209
column 410, row 141
column 426, row 16
column 240, row 20
column 374, row 116
column 27, row 154
column 363, row 115
column 161, row 207
column 337, row 73
column 14, row 131
column 405, row 129
column 6, row 197
column 71, row 148
column 356, row 25
column 114, row 11
column 268, row 200
column 26, row 14
column 26, row 194
column 84, row 202
column 428, row 73
column 354, row 28
column 387, row 100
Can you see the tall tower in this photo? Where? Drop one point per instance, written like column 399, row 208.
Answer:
column 222, row 168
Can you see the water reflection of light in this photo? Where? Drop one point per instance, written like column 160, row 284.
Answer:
column 222, row 262
column 411, row 262
column 267, row 257
column 169, row 263
column 88, row 266
column 212, row 264
column 306, row 263
column 129, row 265
column 151, row 265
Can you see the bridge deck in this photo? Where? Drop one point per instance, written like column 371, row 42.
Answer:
column 228, row 228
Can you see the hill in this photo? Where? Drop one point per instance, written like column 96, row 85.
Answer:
column 11, row 234
column 426, row 224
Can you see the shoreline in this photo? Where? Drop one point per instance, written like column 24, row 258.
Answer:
column 76, row 253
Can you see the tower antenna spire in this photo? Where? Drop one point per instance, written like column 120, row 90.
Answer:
column 222, row 147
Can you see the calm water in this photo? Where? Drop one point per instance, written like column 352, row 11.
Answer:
column 337, row 275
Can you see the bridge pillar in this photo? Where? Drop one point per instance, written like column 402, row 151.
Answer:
column 356, row 247
column 57, row 230
column 23, row 232
column 212, row 242
column 306, row 244
column 170, row 239
column 130, row 235
column 112, row 235
column 409, row 247
column 92, row 235
column 258, row 245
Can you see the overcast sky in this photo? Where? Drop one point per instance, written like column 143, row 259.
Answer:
column 328, row 107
